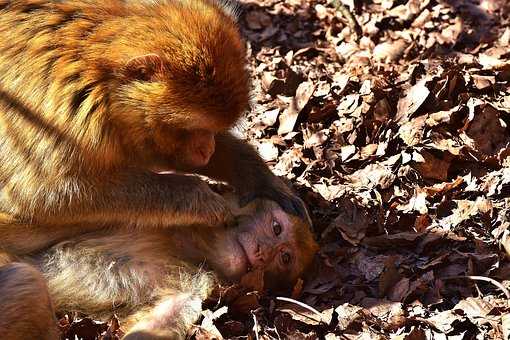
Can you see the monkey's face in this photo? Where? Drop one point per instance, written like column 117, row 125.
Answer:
column 185, row 149
column 271, row 240
column 173, row 100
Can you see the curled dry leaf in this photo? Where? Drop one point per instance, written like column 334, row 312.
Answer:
column 486, row 123
column 373, row 175
column 432, row 167
column 390, row 51
column 413, row 100
column 352, row 222
column 267, row 150
column 289, row 117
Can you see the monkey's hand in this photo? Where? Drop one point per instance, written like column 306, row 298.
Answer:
column 238, row 163
column 276, row 190
column 211, row 209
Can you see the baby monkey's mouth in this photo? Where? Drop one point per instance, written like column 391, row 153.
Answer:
column 249, row 265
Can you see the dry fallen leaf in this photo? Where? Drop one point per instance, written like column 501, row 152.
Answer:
column 414, row 98
column 289, row 117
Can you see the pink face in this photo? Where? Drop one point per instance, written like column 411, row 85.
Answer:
column 263, row 240
column 267, row 240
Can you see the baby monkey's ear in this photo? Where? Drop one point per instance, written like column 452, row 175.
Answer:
column 144, row 67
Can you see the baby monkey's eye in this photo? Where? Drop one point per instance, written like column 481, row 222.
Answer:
column 277, row 228
column 286, row 258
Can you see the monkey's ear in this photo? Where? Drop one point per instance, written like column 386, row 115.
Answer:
column 144, row 67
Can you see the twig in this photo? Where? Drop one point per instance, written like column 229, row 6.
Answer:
column 301, row 304
column 351, row 20
column 481, row 278
column 255, row 326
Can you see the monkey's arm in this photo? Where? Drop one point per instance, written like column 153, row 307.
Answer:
column 237, row 163
column 73, row 206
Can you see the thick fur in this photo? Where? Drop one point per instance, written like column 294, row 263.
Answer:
column 96, row 95
column 26, row 311
column 154, row 282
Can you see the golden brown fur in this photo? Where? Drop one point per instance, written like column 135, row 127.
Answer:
column 26, row 311
column 156, row 283
column 96, row 95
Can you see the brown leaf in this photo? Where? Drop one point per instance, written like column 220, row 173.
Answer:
column 486, row 123
column 432, row 167
column 390, row 51
column 253, row 280
column 400, row 290
column 372, row 176
column 257, row 20
column 352, row 222
column 414, row 99
column 474, row 307
column 289, row 117
column 347, row 314
column 404, row 239
column 412, row 132
column 244, row 304
column 389, row 277
column 483, row 82
column 271, row 84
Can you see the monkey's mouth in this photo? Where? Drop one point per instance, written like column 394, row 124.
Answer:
column 249, row 265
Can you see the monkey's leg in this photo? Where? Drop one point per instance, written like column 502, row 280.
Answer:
column 170, row 318
column 238, row 163
column 178, row 307
column 26, row 311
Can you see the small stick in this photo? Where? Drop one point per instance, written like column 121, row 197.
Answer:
column 301, row 304
column 351, row 20
column 481, row 278
column 255, row 326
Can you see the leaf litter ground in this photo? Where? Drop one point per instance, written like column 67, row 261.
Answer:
column 400, row 145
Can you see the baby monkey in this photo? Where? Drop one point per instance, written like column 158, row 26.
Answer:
column 155, row 282
column 98, row 96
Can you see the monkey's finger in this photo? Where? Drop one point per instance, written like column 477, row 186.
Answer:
column 234, row 222
column 293, row 205
column 289, row 203
column 299, row 207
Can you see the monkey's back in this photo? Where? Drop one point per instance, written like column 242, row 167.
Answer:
column 52, row 99
column 59, row 70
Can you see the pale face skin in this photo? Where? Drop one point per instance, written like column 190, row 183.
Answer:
column 262, row 240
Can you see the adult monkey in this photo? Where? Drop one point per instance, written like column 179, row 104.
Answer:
column 97, row 95
column 156, row 284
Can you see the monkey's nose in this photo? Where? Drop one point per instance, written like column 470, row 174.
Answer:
column 260, row 256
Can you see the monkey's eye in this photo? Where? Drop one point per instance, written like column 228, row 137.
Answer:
column 286, row 258
column 277, row 228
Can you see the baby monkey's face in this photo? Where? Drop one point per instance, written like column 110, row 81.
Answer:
column 268, row 239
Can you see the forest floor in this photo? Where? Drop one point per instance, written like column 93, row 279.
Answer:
column 399, row 143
